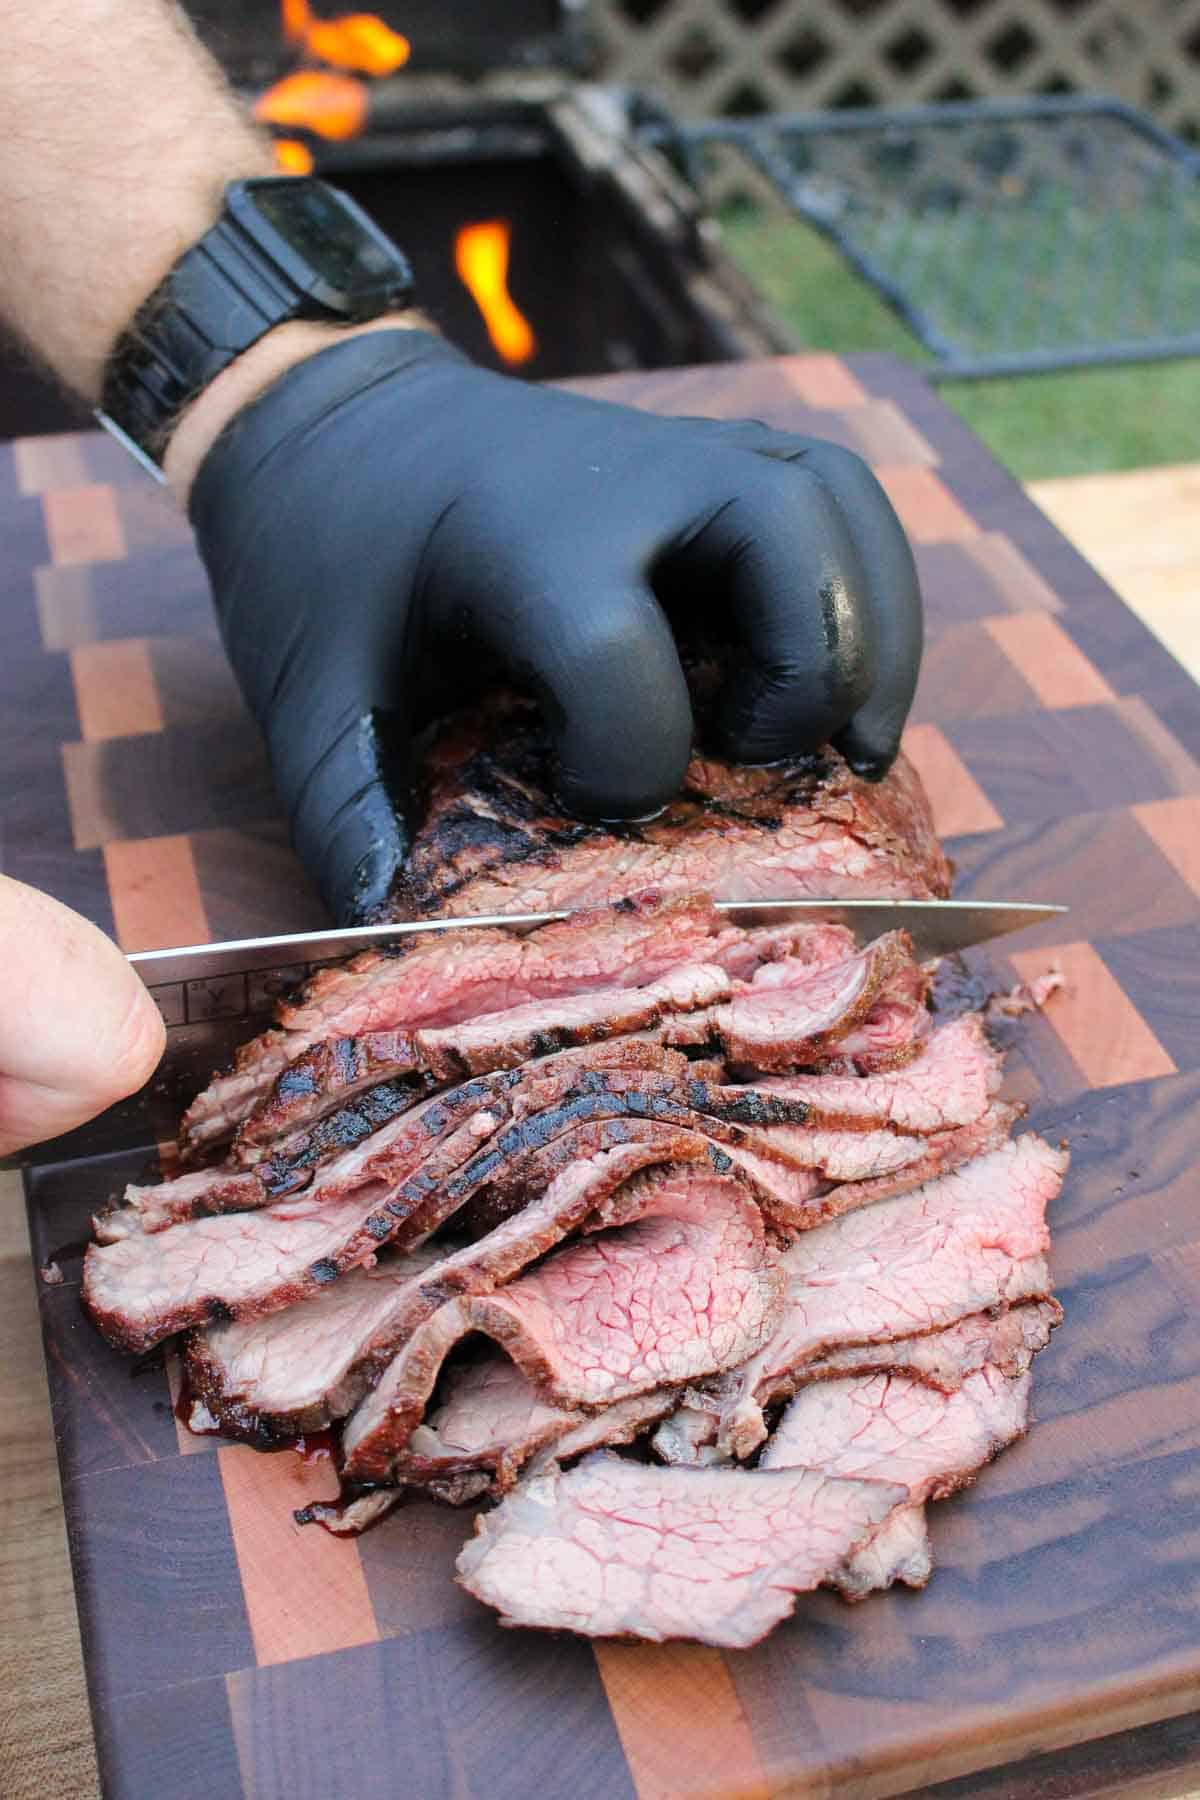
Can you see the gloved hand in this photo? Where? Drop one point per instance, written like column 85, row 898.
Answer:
column 389, row 528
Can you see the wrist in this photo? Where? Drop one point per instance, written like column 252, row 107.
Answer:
column 248, row 377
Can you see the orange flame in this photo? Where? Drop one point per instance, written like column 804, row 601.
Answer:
column 332, row 106
column 292, row 157
column 359, row 42
column 481, row 259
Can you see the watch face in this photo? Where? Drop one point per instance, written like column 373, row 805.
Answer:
column 329, row 245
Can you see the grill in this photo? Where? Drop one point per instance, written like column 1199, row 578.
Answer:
column 611, row 260
column 1011, row 236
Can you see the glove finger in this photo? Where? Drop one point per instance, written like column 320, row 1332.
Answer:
column 341, row 766
column 892, row 597
column 607, row 673
column 791, row 584
column 891, row 592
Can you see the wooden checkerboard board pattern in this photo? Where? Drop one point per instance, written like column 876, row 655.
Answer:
column 230, row 1653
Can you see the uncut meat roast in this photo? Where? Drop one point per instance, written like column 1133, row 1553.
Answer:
column 699, row 1258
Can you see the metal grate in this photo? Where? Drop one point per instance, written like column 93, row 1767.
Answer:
column 1011, row 236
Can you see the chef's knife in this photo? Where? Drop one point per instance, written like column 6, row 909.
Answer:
column 213, row 995
column 937, row 928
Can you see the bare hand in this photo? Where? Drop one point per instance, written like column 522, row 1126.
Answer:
column 78, row 1030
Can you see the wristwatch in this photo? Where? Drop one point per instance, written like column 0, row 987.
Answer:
column 285, row 247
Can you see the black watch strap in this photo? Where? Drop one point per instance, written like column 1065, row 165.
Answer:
column 222, row 295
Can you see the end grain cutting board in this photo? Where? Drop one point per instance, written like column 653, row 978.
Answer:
column 231, row 1654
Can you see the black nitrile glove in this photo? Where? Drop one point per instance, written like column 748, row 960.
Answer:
column 390, row 528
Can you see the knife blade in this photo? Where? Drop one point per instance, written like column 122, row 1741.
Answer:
column 937, row 928
column 211, row 995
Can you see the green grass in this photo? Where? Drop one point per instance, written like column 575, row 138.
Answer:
column 1073, row 423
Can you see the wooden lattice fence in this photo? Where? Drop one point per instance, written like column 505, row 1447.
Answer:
column 744, row 56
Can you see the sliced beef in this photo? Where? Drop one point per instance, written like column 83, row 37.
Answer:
column 241, row 1265
column 751, row 954
column 337, row 1068
column 784, row 1189
column 899, row 1551
column 852, row 1169
column 949, row 1083
column 614, row 1548
column 894, row 1030
column 492, row 1418
column 321, row 1163
column 943, row 1151
column 326, row 1079
column 524, row 1155
column 268, row 1377
column 494, row 840
column 195, row 1195
column 802, row 1176
column 680, row 1283
column 778, row 1026
column 406, row 1180
column 290, row 1161
column 386, row 1155
column 445, row 977
column 970, row 1240
column 245, row 1265
column 619, row 1423
column 892, row 1427
column 269, row 1380
column 790, row 1178
column 1007, row 1341
column 847, row 1156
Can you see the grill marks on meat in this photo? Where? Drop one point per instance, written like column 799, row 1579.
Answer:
column 493, row 839
column 146, row 1285
column 894, row 1427
column 452, row 976
column 807, row 829
column 613, row 1548
column 243, row 1265
column 405, row 1180
column 271, row 1380
column 680, row 1284
column 325, row 1075
column 259, row 1380
column 709, row 954
column 387, row 1155
column 970, row 1240
column 818, row 1207
column 256, row 1377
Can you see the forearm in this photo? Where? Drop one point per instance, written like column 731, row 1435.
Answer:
column 121, row 134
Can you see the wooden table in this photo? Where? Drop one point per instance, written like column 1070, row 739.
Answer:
column 230, row 1655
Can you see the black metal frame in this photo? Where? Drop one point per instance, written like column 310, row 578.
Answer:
column 759, row 139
